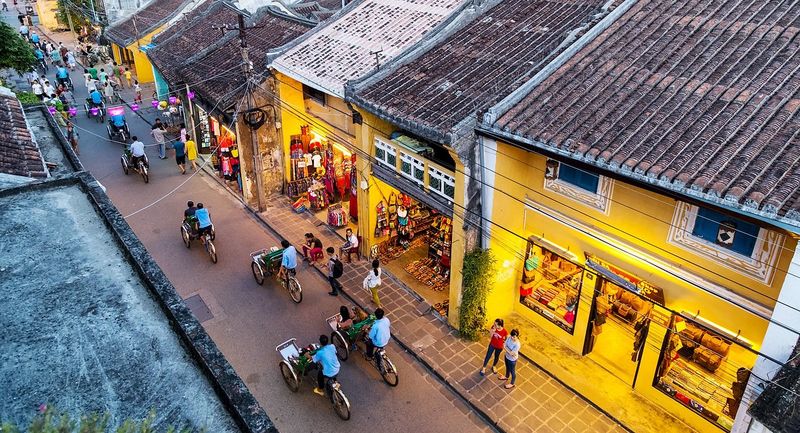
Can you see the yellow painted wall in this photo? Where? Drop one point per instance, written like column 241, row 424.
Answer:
column 47, row 9
column 142, row 68
column 643, row 219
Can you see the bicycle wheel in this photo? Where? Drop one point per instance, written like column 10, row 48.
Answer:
column 388, row 371
column 340, row 343
column 124, row 165
column 143, row 171
column 258, row 273
column 187, row 240
column 340, row 404
column 295, row 291
column 212, row 250
column 289, row 376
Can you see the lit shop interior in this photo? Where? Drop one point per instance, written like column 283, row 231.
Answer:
column 323, row 180
column 220, row 142
column 652, row 334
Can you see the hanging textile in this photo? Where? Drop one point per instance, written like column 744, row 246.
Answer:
column 353, row 188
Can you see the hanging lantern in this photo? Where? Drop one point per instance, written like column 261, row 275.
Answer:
column 51, row 109
column 134, row 107
column 190, row 95
column 173, row 100
column 154, row 103
column 93, row 111
column 73, row 111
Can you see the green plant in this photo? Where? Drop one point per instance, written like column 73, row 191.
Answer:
column 15, row 52
column 479, row 270
column 49, row 421
column 27, row 98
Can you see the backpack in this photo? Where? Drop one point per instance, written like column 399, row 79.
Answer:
column 338, row 268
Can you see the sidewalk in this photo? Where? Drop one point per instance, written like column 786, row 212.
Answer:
column 538, row 404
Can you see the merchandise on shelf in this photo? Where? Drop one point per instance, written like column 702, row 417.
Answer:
column 337, row 217
column 429, row 273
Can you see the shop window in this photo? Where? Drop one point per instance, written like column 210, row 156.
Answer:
column 313, row 94
column 441, row 183
column 412, row 168
column 704, row 368
column 731, row 233
column 587, row 188
column 386, row 154
column 740, row 246
column 551, row 285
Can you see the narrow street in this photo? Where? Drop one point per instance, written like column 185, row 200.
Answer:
column 246, row 320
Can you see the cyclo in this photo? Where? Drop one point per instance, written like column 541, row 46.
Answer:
column 297, row 363
column 189, row 233
column 117, row 126
column 355, row 338
column 267, row 262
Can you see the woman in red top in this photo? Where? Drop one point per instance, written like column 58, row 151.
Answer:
column 499, row 335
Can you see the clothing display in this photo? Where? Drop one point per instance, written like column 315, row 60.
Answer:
column 337, row 217
column 550, row 285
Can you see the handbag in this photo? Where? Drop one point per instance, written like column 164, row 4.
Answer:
column 392, row 204
column 716, row 344
column 707, row 358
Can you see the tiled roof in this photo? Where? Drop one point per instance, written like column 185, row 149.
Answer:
column 344, row 49
column 317, row 11
column 19, row 154
column 477, row 65
column 217, row 74
column 178, row 25
column 182, row 39
column 698, row 97
column 144, row 21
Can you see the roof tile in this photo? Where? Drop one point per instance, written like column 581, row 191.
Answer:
column 144, row 21
column 19, row 154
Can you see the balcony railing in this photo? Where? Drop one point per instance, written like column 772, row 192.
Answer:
column 418, row 169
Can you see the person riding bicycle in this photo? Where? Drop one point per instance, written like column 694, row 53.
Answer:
column 204, row 224
column 55, row 57
column 95, row 99
column 62, row 76
column 326, row 357
column 379, row 334
column 137, row 152
column 188, row 215
column 288, row 261
column 117, row 121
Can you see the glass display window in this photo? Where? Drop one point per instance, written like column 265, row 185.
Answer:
column 705, row 370
column 551, row 285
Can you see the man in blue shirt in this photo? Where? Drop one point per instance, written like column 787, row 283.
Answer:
column 329, row 363
column 289, row 260
column 379, row 334
column 203, row 220
column 62, row 75
column 35, row 38
column 96, row 98
column 118, row 121
column 55, row 57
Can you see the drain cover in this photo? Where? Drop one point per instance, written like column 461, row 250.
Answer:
column 199, row 308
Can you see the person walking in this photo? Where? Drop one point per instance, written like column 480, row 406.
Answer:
column 512, row 346
column 180, row 155
column 498, row 339
column 138, row 90
column 71, row 60
column 335, row 271
column 23, row 31
column 129, row 77
column 38, row 89
column 108, row 92
column 158, row 131
column 191, row 154
column 5, row 6
column 72, row 137
column 373, row 281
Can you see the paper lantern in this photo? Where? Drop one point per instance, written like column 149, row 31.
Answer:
column 93, row 111
column 173, row 100
column 51, row 109
column 73, row 111
column 116, row 111
column 154, row 103
column 134, row 107
column 190, row 95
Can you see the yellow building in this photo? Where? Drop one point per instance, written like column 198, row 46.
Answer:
column 130, row 37
column 47, row 11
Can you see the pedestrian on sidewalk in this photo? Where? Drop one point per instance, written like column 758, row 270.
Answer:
column 108, row 92
column 512, row 346
column 498, row 339
column 312, row 250
column 158, row 131
column 138, row 89
column 38, row 89
column 103, row 76
column 180, row 155
column 129, row 77
column 71, row 60
column 72, row 137
column 335, row 271
column 191, row 152
column 373, row 281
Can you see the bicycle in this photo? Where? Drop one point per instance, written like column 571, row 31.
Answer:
column 267, row 262
column 346, row 340
column 188, row 234
column 296, row 363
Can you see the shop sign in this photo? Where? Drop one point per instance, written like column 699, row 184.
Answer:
column 625, row 280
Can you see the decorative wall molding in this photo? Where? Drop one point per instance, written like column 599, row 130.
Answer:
column 601, row 200
column 760, row 266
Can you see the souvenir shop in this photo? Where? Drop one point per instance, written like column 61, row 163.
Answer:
column 680, row 360
column 414, row 239
column 224, row 153
column 323, row 180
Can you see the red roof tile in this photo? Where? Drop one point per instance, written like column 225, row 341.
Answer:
column 19, row 154
column 701, row 97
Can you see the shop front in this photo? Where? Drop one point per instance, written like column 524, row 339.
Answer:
column 592, row 312
column 217, row 142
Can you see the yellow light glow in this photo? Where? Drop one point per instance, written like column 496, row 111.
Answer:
column 506, row 264
column 342, row 149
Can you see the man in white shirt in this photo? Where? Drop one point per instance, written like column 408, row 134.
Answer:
column 137, row 151
column 38, row 90
column 351, row 246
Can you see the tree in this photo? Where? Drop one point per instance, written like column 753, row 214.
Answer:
column 15, row 52
column 478, row 276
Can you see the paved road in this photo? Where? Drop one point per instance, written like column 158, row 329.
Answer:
column 250, row 320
